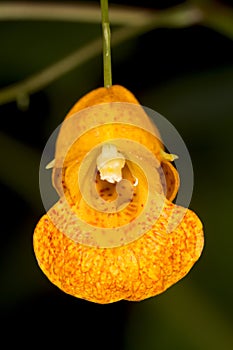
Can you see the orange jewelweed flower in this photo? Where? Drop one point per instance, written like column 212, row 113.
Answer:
column 115, row 233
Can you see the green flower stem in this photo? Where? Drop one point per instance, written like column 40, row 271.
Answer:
column 106, row 44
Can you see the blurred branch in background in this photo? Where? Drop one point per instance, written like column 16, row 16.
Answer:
column 80, row 12
column 135, row 21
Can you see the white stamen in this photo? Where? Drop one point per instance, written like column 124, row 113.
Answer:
column 109, row 163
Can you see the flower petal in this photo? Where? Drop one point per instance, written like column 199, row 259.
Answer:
column 142, row 269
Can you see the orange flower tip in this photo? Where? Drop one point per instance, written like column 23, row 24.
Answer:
column 50, row 165
column 168, row 156
column 109, row 163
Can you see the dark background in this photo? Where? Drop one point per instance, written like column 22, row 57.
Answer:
column 186, row 75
